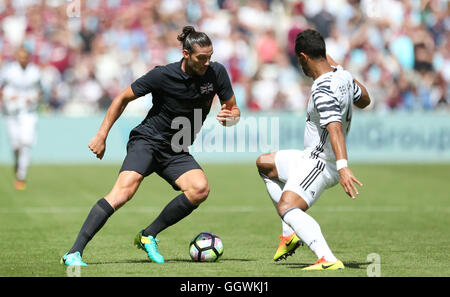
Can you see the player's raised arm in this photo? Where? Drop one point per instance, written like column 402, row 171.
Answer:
column 346, row 177
column 364, row 99
column 98, row 142
column 229, row 114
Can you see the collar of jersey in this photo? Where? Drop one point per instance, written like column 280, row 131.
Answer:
column 323, row 76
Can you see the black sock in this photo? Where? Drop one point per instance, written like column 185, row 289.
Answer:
column 98, row 216
column 175, row 211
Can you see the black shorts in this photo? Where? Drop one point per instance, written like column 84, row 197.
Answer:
column 146, row 156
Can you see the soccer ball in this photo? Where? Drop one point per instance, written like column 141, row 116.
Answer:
column 206, row 247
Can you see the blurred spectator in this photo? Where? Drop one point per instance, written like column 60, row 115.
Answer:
column 323, row 22
column 267, row 47
column 399, row 48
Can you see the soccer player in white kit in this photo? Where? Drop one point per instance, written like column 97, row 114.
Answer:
column 295, row 179
column 20, row 95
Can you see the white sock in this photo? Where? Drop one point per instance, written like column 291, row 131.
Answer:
column 23, row 162
column 275, row 188
column 310, row 233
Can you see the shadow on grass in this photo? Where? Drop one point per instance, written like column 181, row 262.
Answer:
column 351, row 265
column 120, row 262
column 220, row 260
column 146, row 261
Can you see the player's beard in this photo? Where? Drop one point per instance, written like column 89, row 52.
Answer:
column 195, row 68
column 306, row 69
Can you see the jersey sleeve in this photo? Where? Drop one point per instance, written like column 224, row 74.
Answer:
column 225, row 90
column 327, row 105
column 357, row 92
column 147, row 83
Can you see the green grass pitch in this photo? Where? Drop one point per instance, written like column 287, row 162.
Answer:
column 402, row 214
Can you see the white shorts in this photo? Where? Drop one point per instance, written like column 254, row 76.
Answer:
column 21, row 129
column 305, row 176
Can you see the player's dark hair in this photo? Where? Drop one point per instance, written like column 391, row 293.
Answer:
column 310, row 42
column 189, row 37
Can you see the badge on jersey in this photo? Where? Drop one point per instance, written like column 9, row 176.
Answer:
column 206, row 88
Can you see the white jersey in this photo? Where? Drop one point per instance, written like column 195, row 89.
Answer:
column 21, row 88
column 332, row 96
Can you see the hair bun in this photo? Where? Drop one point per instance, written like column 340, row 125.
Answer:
column 186, row 31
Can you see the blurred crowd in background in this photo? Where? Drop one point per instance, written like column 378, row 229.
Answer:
column 88, row 51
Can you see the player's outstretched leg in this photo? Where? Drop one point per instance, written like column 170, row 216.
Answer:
column 289, row 241
column 195, row 190
column 291, row 211
column 177, row 209
column 126, row 185
column 97, row 217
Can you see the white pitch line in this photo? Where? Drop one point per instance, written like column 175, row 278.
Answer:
column 225, row 209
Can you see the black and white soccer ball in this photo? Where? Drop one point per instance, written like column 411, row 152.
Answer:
column 206, row 247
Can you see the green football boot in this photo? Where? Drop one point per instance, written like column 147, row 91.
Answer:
column 73, row 259
column 150, row 245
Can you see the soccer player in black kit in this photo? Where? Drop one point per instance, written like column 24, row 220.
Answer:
column 181, row 90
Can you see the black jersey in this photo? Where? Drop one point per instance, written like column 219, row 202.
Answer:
column 177, row 94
